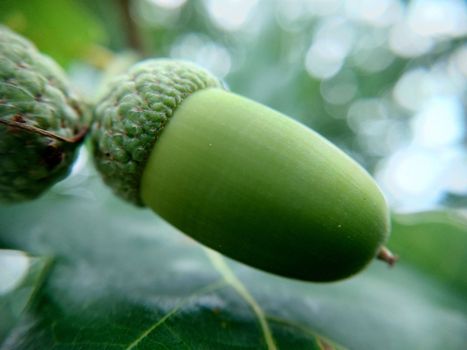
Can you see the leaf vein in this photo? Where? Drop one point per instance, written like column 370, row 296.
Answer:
column 221, row 266
column 148, row 331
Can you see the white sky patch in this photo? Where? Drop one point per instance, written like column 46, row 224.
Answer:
column 456, row 180
column 230, row 15
column 413, row 88
column 412, row 179
column 458, row 63
column 168, row 4
column 373, row 60
column 405, row 42
column 331, row 44
column 378, row 13
column 439, row 123
column 203, row 51
column 159, row 13
column 323, row 7
column 437, row 18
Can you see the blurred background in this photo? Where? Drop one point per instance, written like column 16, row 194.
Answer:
column 385, row 80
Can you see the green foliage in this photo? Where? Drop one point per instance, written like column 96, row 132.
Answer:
column 437, row 237
column 65, row 29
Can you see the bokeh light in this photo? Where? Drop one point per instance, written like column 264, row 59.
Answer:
column 203, row 51
column 230, row 15
column 386, row 80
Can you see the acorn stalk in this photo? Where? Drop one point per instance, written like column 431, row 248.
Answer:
column 240, row 177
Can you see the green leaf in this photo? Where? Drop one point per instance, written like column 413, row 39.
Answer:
column 436, row 243
column 64, row 29
column 124, row 279
column 21, row 276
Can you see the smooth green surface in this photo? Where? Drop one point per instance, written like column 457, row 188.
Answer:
column 263, row 189
column 436, row 236
column 65, row 29
column 122, row 276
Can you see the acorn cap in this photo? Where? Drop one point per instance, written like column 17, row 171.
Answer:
column 131, row 116
column 41, row 120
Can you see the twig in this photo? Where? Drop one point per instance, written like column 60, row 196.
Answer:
column 387, row 256
column 32, row 129
column 132, row 33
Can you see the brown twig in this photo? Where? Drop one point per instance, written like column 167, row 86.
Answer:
column 387, row 256
column 32, row 129
column 130, row 28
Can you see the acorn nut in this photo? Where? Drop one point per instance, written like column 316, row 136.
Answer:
column 237, row 176
column 41, row 120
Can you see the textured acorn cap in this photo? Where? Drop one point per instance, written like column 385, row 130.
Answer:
column 38, row 111
column 130, row 117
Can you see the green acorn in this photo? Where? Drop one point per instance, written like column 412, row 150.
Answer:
column 41, row 120
column 237, row 176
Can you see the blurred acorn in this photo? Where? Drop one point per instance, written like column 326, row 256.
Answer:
column 42, row 122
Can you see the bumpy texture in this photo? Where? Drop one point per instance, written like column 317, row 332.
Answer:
column 34, row 97
column 130, row 117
